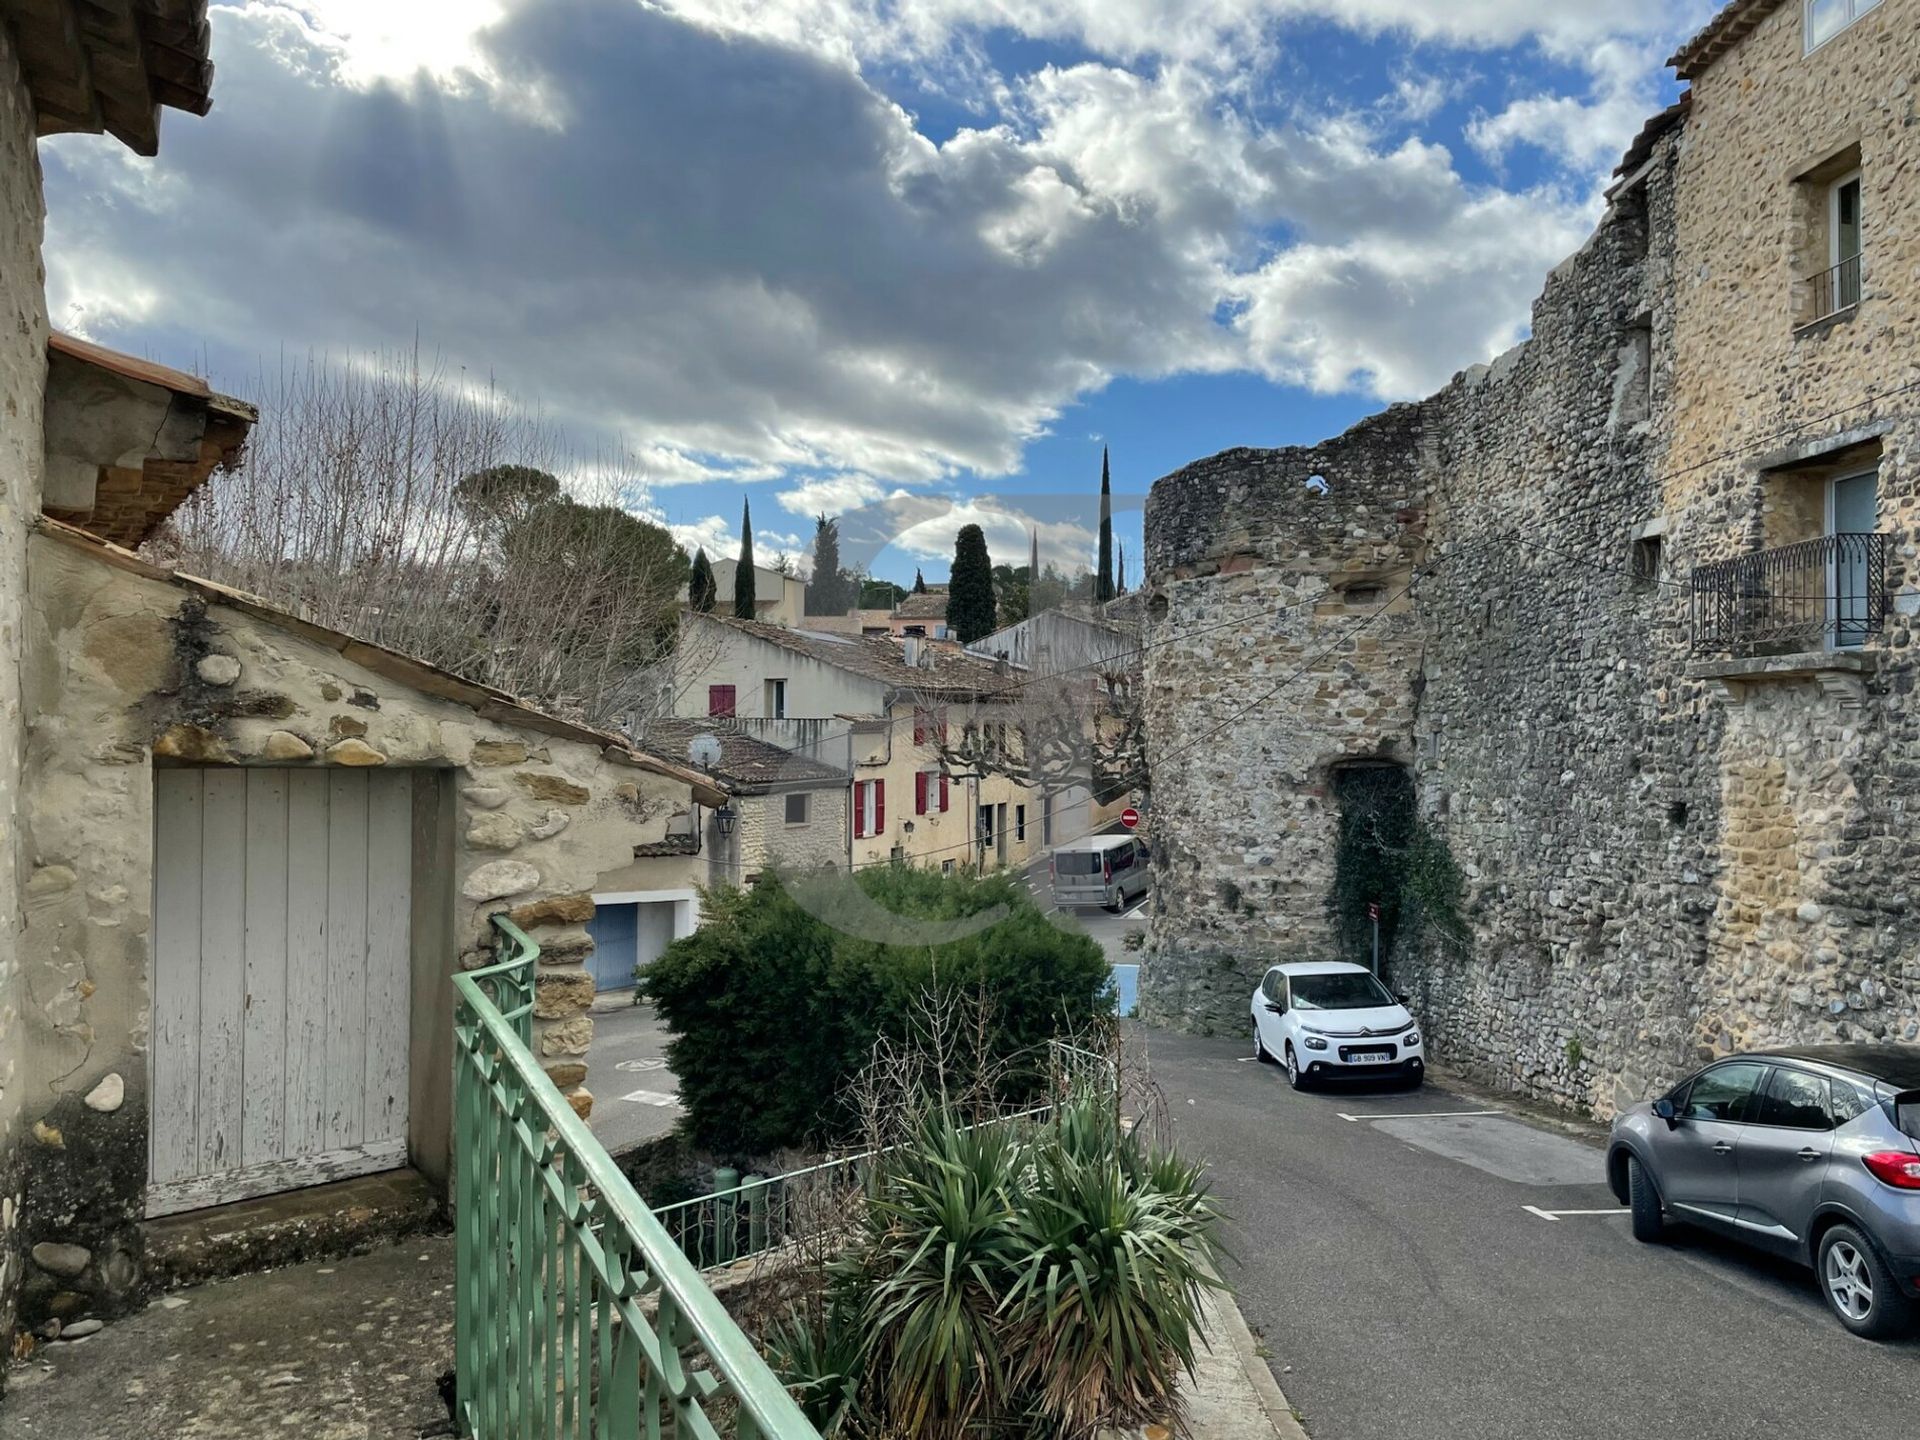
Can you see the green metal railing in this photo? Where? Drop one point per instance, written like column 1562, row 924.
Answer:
column 575, row 1314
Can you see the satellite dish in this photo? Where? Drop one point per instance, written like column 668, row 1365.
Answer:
column 704, row 751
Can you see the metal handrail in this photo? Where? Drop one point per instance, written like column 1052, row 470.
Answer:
column 559, row 1262
column 1833, row 290
column 1831, row 591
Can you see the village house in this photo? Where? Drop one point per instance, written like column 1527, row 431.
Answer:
column 921, row 613
column 920, row 728
column 244, row 853
column 778, row 598
column 1628, row 616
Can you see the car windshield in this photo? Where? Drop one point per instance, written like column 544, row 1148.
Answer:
column 1343, row 990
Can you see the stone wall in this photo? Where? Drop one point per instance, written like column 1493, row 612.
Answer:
column 762, row 839
column 23, row 361
column 126, row 668
column 1658, row 866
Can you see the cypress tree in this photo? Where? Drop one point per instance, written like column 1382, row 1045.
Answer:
column 919, row 582
column 970, row 604
column 743, row 596
column 701, row 589
column 827, row 592
column 1103, row 583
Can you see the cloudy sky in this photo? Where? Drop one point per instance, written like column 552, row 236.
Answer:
column 920, row 256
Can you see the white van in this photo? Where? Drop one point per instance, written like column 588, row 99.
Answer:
column 1105, row 870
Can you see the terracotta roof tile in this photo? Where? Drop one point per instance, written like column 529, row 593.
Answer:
column 1720, row 34
column 878, row 657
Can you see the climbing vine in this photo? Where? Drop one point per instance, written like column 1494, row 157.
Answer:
column 1387, row 855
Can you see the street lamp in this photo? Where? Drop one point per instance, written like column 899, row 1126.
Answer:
column 724, row 818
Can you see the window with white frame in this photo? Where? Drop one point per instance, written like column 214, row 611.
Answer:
column 1827, row 18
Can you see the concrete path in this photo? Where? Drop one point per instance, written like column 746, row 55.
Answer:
column 348, row 1350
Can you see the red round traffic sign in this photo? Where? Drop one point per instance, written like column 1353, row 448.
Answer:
column 1130, row 818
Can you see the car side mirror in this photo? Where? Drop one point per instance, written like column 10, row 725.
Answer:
column 1665, row 1110
column 1403, row 997
column 1276, row 1009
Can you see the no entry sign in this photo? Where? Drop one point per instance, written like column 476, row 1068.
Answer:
column 1130, row 818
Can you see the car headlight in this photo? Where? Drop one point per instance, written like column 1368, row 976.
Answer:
column 1412, row 1037
column 1314, row 1042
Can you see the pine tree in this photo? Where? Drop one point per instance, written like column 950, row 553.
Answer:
column 919, row 582
column 743, row 596
column 1103, row 584
column 701, row 589
column 970, row 605
column 828, row 591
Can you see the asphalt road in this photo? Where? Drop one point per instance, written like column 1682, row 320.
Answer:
column 1406, row 1291
column 635, row 1096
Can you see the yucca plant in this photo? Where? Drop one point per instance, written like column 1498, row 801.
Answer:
column 941, row 1242
column 821, row 1364
column 1117, row 1249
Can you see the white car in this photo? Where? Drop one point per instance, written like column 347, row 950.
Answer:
column 1334, row 1021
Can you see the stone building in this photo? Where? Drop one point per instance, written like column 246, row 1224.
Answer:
column 243, row 854
column 1629, row 611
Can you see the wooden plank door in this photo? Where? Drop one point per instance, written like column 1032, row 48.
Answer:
column 280, row 980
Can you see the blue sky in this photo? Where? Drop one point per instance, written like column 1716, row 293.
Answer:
column 914, row 259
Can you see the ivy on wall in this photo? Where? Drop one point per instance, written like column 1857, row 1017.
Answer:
column 1387, row 855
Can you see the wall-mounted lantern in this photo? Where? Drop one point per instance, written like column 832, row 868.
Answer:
column 724, row 818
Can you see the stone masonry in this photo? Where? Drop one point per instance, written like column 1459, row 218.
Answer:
column 1491, row 588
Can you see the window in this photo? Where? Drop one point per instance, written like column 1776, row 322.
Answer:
column 1020, row 822
column 1646, row 561
column 930, row 793
column 869, row 808
column 1795, row 1100
column 1850, row 1102
column 1853, row 513
column 929, row 726
column 796, row 809
column 1722, row 1093
column 946, row 867
column 720, row 700
column 1827, row 18
column 777, row 699
column 1845, row 232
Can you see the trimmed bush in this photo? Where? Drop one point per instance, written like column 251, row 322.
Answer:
column 774, row 1010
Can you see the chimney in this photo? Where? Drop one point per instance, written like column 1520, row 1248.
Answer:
column 910, row 651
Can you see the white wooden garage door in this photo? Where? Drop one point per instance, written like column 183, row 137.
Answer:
column 280, row 980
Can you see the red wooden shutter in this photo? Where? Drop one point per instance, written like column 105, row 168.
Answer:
column 919, row 792
column 879, row 807
column 943, row 794
column 919, row 726
column 859, row 809
column 720, row 700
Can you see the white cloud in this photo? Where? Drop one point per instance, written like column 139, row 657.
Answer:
column 375, row 40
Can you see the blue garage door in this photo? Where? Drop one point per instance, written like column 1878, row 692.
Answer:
column 626, row 936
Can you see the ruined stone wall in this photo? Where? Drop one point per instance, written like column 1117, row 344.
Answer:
column 1659, row 865
column 124, row 670
column 23, row 364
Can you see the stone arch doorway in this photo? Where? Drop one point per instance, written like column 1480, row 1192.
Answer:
column 1374, row 845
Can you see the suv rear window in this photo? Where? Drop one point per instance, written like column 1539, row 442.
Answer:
column 1076, row 862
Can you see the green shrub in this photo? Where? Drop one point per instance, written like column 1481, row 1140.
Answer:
column 773, row 1010
column 1011, row 1280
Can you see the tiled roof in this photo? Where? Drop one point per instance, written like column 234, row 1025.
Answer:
column 929, row 606
column 1726, row 30
column 878, row 657
column 111, row 64
column 744, row 759
column 1650, row 133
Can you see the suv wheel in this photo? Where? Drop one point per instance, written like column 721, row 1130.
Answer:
column 1649, row 1225
column 1295, row 1077
column 1857, row 1287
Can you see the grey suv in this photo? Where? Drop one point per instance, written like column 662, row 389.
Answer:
column 1812, row 1153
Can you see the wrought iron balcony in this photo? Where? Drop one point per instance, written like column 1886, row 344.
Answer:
column 1827, row 594
column 1832, row 290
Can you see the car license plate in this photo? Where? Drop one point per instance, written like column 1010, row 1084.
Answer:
column 1368, row 1057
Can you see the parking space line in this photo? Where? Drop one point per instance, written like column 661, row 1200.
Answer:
column 657, row 1098
column 1416, row 1114
column 1538, row 1213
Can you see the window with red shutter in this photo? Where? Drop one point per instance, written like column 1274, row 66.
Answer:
column 879, row 807
column 919, row 726
column 919, row 792
column 943, row 794
column 720, row 700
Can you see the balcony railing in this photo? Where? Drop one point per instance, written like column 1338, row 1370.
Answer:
column 1832, row 290
column 1829, row 593
column 574, row 1311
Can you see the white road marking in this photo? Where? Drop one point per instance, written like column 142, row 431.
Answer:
column 1537, row 1212
column 659, row 1064
column 1136, row 908
column 659, row 1098
column 1416, row 1114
